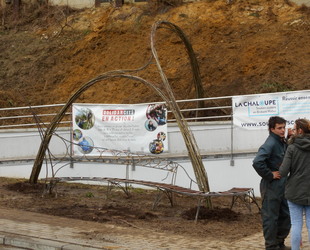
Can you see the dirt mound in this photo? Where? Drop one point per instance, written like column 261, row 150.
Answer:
column 242, row 48
column 217, row 213
column 25, row 187
column 95, row 203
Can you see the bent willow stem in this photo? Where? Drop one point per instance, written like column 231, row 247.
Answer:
column 165, row 92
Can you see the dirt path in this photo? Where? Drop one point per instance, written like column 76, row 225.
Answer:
column 90, row 204
column 109, row 236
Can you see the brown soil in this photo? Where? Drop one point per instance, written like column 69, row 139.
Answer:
column 244, row 47
column 87, row 202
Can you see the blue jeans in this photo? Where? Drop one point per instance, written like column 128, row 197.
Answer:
column 296, row 212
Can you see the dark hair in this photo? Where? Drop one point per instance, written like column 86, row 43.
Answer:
column 273, row 120
column 303, row 124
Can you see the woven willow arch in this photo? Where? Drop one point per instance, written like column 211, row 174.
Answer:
column 166, row 94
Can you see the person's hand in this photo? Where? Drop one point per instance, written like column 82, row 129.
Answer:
column 276, row 175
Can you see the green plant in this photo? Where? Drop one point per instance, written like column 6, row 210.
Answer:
column 11, row 103
column 256, row 14
column 275, row 87
column 86, row 32
column 139, row 190
column 89, row 195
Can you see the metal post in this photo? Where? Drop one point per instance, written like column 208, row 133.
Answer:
column 127, row 176
column 232, row 161
column 71, row 142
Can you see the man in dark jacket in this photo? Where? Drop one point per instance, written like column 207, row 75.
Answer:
column 275, row 212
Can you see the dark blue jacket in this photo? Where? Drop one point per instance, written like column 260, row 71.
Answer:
column 269, row 156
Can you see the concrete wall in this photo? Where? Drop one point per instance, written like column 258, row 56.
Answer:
column 24, row 144
column 211, row 137
column 217, row 138
column 221, row 175
column 19, row 148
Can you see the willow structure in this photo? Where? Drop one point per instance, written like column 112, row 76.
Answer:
column 165, row 92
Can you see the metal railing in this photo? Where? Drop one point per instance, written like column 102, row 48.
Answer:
column 215, row 108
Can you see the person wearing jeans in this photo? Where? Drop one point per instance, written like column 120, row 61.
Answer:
column 297, row 188
column 296, row 212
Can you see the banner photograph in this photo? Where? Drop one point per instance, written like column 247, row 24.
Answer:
column 253, row 111
column 98, row 128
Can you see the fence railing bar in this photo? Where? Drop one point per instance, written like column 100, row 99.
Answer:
column 205, row 99
column 199, row 109
column 28, row 107
column 62, row 104
column 25, row 111
column 28, row 116
column 203, row 118
column 29, row 124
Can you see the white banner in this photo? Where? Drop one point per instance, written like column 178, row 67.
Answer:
column 134, row 128
column 253, row 111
